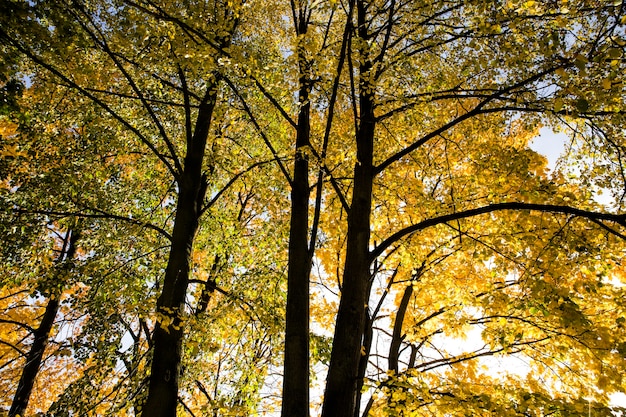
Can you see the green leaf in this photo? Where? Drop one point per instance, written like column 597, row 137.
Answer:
column 582, row 105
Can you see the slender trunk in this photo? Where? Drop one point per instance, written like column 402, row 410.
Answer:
column 364, row 360
column 33, row 360
column 341, row 384
column 42, row 334
column 396, row 340
column 296, row 364
column 169, row 330
column 340, row 396
column 209, row 286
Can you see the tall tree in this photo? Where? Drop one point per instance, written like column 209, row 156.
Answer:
column 110, row 32
column 303, row 236
column 296, row 364
column 388, row 41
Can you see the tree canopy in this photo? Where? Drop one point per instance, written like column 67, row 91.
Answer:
column 334, row 208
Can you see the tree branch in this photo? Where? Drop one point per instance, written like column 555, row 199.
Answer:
column 591, row 215
column 231, row 182
column 100, row 215
column 12, row 346
column 18, row 324
column 260, row 131
column 97, row 101
column 478, row 109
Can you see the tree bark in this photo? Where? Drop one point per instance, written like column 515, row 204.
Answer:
column 42, row 334
column 340, row 396
column 396, row 340
column 296, row 364
column 341, row 384
column 368, row 334
column 169, row 330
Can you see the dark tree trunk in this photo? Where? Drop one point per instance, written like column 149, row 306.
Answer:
column 364, row 360
column 340, row 396
column 33, row 360
column 341, row 383
column 296, row 364
column 396, row 340
column 42, row 333
column 168, row 333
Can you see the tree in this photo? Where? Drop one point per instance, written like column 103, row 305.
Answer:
column 42, row 333
column 54, row 152
column 378, row 149
column 484, row 86
column 85, row 29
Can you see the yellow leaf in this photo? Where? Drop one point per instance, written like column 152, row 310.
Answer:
column 11, row 151
column 7, row 128
column 558, row 104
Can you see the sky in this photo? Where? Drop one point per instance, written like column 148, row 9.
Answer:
column 549, row 144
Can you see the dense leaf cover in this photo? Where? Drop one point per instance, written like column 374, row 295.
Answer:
column 334, row 207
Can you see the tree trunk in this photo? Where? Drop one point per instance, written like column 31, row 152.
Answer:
column 340, row 396
column 341, row 384
column 42, row 333
column 396, row 340
column 368, row 334
column 169, row 331
column 296, row 364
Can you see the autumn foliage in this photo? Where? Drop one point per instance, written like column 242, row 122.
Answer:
column 335, row 208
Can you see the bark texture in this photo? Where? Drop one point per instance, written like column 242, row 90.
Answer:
column 341, row 385
column 168, row 334
column 296, row 366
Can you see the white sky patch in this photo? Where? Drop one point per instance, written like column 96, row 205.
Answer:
column 618, row 399
column 553, row 146
column 549, row 144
